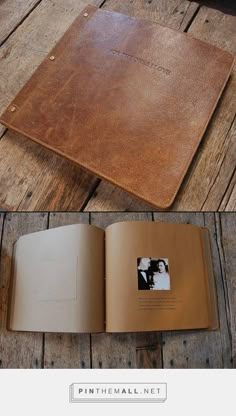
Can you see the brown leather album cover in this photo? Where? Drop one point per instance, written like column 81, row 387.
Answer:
column 127, row 99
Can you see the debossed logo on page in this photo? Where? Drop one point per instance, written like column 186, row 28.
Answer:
column 118, row 392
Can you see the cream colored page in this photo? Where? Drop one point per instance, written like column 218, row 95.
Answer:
column 58, row 282
column 182, row 305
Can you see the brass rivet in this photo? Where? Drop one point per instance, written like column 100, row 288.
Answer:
column 12, row 109
column 52, row 58
column 85, row 14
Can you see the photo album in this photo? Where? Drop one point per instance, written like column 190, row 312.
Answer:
column 133, row 276
column 116, row 89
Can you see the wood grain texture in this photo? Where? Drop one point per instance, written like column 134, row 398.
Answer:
column 174, row 13
column 12, row 13
column 108, row 197
column 1, row 228
column 231, row 202
column 41, row 180
column 132, row 350
column 222, row 180
column 226, row 231
column 17, row 349
column 199, row 349
column 103, row 219
column 208, row 178
column 67, row 350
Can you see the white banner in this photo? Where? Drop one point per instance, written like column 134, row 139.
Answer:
column 189, row 392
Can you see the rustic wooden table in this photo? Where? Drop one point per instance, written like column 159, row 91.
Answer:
column 175, row 349
column 32, row 178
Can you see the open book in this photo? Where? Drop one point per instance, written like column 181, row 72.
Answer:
column 134, row 276
column 126, row 99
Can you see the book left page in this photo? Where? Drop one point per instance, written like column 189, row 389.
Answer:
column 58, row 281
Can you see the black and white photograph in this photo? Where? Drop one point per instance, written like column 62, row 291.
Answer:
column 153, row 273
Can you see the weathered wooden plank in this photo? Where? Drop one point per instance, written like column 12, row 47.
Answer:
column 226, row 171
column 108, row 197
column 131, row 350
column 2, row 214
column 215, row 27
column 174, row 13
column 199, row 349
column 189, row 15
column 149, row 350
column 228, row 202
column 231, row 203
column 226, row 227
column 42, row 180
column 210, row 173
column 103, row 219
column 67, row 350
column 12, row 13
column 33, row 178
column 57, row 219
column 179, row 217
column 17, row 349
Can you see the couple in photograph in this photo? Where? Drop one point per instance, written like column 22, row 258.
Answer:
column 153, row 274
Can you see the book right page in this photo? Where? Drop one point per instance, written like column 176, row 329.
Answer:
column 156, row 278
